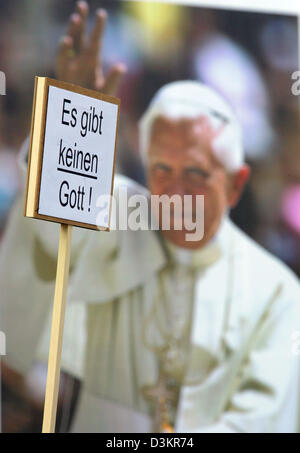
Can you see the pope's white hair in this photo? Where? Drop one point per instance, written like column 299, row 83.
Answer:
column 191, row 99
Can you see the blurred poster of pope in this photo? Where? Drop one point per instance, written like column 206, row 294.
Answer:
column 185, row 329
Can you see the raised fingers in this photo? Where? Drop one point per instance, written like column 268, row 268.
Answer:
column 113, row 78
column 65, row 51
column 82, row 10
column 77, row 25
column 95, row 42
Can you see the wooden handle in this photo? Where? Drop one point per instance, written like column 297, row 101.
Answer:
column 57, row 328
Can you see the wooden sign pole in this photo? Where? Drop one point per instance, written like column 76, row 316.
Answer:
column 57, row 329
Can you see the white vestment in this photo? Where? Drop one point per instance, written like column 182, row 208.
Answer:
column 242, row 374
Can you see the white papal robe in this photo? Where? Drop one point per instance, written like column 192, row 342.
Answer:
column 242, row 373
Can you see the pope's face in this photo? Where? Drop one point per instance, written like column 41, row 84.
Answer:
column 181, row 161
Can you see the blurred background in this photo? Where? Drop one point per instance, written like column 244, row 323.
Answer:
column 248, row 57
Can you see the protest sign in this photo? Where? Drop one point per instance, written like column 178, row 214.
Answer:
column 72, row 154
column 71, row 163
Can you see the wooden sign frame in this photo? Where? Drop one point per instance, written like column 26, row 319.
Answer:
column 36, row 151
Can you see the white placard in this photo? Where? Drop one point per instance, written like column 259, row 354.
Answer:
column 78, row 156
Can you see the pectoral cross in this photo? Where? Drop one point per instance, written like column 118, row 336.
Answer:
column 160, row 396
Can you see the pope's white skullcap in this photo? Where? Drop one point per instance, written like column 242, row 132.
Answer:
column 191, row 99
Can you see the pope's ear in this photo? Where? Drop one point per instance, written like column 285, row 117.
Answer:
column 237, row 184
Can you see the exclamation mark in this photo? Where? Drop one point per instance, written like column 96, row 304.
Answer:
column 90, row 199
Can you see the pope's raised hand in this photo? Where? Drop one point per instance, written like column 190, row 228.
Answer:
column 79, row 56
